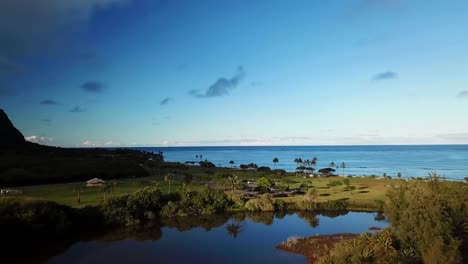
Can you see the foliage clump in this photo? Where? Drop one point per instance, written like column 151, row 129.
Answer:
column 208, row 201
column 263, row 203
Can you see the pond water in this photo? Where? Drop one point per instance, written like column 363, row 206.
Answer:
column 239, row 238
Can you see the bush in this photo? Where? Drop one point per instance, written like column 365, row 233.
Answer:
column 144, row 203
column 334, row 184
column 206, row 164
column 208, row 201
column 280, row 205
column 279, row 172
column 35, row 216
column 264, row 169
column 264, row 203
column 430, row 217
column 368, row 248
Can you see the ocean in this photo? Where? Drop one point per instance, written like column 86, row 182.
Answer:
column 450, row 161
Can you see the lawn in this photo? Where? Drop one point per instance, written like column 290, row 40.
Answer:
column 368, row 190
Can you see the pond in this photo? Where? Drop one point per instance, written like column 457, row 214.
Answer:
column 236, row 238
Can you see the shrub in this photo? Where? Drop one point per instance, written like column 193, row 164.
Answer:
column 279, row 172
column 264, row 203
column 430, row 217
column 264, row 169
column 208, row 201
column 114, row 211
column 280, row 205
column 207, row 164
column 265, row 183
column 334, row 184
column 144, row 203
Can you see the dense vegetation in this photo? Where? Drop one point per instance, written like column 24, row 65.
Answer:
column 35, row 164
column 428, row 224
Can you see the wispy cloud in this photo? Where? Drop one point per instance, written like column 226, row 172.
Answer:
column 221, row 87
column 155, row 123
column 463, row 94
column 388, row 75
column 166, row 100
column 48, row 102
column 93, row 87
column 77, row 109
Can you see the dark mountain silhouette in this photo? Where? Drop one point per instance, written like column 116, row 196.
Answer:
column 25, row 163
column 9, row 135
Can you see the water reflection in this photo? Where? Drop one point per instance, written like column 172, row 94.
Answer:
column 264, row 229
column 234, row 228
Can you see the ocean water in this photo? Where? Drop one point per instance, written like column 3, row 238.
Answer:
column 450, row 161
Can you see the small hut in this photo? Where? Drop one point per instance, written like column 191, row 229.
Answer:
column 95, row 182
column 10, row 192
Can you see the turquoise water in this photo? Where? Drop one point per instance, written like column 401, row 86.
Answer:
column 450, row 161
column 207, row 240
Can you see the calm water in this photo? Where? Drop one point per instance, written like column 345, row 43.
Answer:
column 412, row 161
column 252, row 239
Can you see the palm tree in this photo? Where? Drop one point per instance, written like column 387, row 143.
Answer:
column 232, row 163
column 399, row 175
column 168, row 178
column 343, row 166
column 332, row 165
column 233, row 183
column 275, row 160
column 314, row 162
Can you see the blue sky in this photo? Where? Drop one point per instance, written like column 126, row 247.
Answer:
column 171, row 73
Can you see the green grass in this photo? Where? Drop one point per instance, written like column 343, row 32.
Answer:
column 368, row 190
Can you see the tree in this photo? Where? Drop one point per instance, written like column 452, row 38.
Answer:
column 314, row 162
column 332, row 165
column 399, row 175
column 343, row 166
column 108, row 189
column 326, row 171
column 232, row 163
column 275, row 160
column 265, row 184
column 233, row 183
column 168, row 178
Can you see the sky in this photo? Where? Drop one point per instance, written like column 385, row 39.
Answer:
column 87, row 73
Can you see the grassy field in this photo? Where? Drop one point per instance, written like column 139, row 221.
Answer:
column 364, row 197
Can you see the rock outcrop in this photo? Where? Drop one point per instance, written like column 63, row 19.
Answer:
column 9, row 135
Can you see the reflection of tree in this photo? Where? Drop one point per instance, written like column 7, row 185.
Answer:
column 185, row 223
column 234, row 228
column 238, row 216
column 283, row 213
column 333, row 213
column 148, row 232
column 265, row 218
column 310, row 217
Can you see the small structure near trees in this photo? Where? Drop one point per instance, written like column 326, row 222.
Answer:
column 10, row 192
column 95, row 183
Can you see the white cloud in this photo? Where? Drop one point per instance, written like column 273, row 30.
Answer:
column 97, row 144
column 39, row 140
